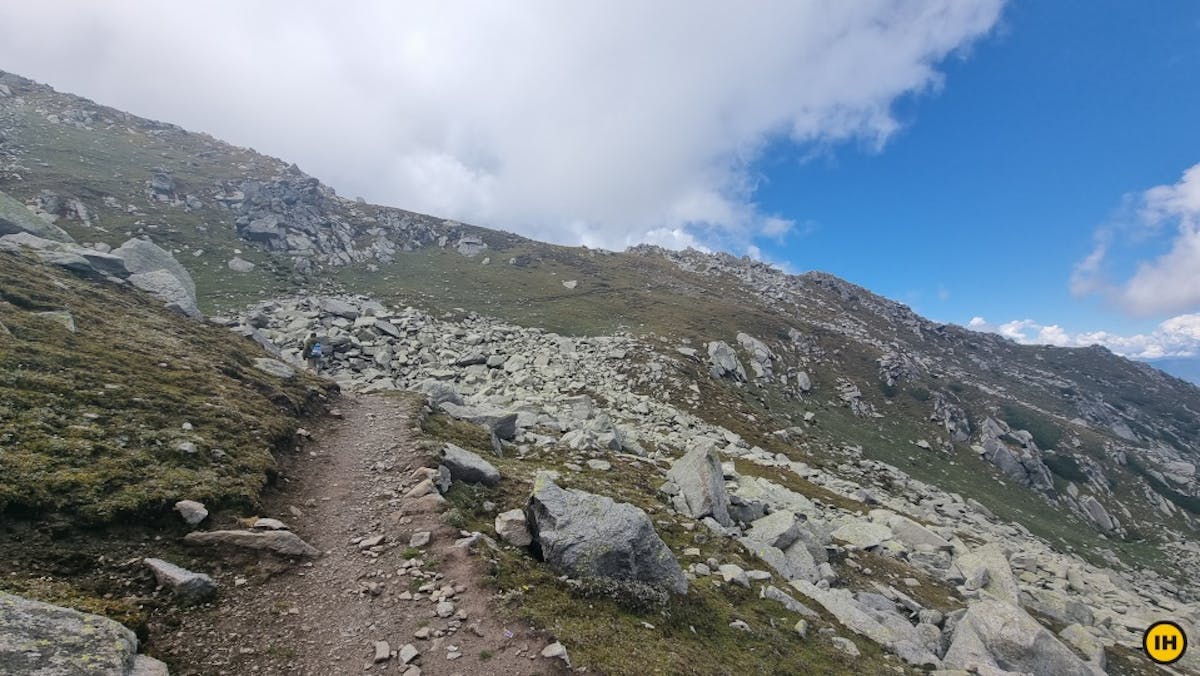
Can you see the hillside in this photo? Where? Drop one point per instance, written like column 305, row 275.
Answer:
column 822, row 399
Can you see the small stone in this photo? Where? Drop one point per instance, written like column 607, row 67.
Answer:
column 383, row 652
column 408, row 653
column 738, row 624
column 422, row 633
column 373, row 541
column 192, row 512
column 734, row 573
column 599, row 465
column 556, row 650
column 419, row 539
column 801, row 628
column 444, row 609
column 845, row 645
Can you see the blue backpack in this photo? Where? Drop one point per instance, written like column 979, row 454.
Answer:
column 315, row 352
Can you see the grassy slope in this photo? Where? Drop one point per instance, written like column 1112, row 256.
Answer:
column 89, row 420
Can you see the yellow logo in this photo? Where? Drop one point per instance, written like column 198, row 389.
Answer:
column 1164, row 642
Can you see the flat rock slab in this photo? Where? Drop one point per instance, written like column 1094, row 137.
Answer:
column 281, row 542
column 44, row 639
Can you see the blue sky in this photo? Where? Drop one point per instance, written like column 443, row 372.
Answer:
column 991, row 192
column 1016, row 166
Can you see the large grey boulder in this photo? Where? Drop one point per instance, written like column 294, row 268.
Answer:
column 590, row 536
column 469, row 467
column 142, row 255
column 723, row 362
column 1098, row 514
column 281, row 542
column 701, row 484
column 15, row 218
column 46, row 640
column 501, row 423
column 168, row 288
column 188, row 587
column 1000, row 636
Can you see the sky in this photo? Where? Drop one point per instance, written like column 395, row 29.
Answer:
column 1029, row 168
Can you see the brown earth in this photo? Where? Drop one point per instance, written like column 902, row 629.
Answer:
column 324, row 616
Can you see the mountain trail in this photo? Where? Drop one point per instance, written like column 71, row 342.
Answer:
column 326, row 617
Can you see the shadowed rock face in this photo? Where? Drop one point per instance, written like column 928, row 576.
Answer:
column 586, row 535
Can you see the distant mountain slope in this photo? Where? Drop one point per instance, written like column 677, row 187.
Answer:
column 1187, row 368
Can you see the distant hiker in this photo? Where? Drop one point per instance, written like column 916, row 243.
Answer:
column 312, row 352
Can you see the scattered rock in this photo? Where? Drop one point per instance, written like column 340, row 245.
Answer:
column 556, row 650
column 192, row 512
column 513, row 529
column 188, row 587
column 239, row 264
column 845, row 645
column 500, row 423
column 469, row 467
column 409, row 652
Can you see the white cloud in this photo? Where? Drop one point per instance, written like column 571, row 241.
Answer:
column 608, row 122
column 1176, row 337
column 1167, row 283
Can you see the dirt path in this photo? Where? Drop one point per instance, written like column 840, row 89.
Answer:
column 324, row 617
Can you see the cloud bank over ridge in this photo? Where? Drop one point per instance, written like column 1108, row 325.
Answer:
column 604, row 124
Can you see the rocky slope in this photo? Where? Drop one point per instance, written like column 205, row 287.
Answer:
column 796, row 427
